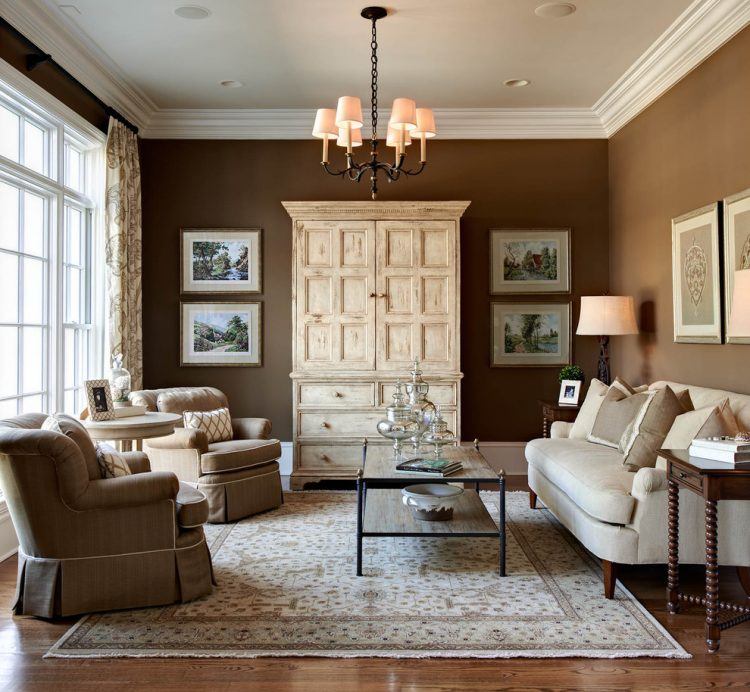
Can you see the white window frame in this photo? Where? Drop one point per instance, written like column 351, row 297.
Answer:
column 64, row 127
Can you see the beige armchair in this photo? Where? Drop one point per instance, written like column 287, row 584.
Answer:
column 88, row 543
column 240, row 476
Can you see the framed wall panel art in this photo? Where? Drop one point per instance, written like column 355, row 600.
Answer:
column 529, row 261
column 696, row 281
column 221, row 334
column 530, row 334
column 221, row 260
column 736, row 249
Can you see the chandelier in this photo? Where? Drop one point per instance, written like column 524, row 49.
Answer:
column 344, row 124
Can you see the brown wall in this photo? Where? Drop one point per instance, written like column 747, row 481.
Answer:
column 689, row 149
column 241, row 183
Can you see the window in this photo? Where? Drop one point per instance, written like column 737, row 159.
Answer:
column 51, row 264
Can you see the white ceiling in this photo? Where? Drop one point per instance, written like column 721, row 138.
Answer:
column 590, row 72
column 305, row 53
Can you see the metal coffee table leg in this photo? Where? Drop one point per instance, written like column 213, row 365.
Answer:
column 360, row 518
column 501, row 504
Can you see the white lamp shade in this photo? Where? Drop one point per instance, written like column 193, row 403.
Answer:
column 325, row 125
column 403, row 114
column 607, row 316
column 349, row 112
column 393, row 138
column 425, row 123
column 356, row 137
column 739, row 319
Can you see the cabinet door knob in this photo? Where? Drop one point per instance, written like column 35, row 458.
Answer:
column 338, row 395
column 382, row 295
column 373, row 295
column 324, row 425
column 324, row 457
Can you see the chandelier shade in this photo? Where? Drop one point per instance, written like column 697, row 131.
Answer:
column 346, row 121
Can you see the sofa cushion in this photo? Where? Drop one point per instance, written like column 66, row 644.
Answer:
column 591, row 475
column 72, row 428
column 616, row 413
column 181, row 399
column 233, row 455
column 589, row 408
column 192, row 507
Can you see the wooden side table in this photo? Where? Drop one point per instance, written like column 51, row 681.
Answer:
column 552, row 411
column 131, row 429
column 714, row 481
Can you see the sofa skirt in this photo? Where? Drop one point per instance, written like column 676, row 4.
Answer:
column 238, row 494
column 52, row 588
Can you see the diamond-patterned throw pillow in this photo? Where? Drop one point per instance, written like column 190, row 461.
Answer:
column 216, row 424
column 111, row 463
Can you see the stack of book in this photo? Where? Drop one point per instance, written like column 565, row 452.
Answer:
column 725, row 449
column 435, row 467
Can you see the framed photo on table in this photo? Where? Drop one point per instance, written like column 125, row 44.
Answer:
column 696, row 281
column 736, row 250
column 221, row 260
column 570, row 392
column 221, row 334
column 99, row 400
column 529, row 261
column 530, row 334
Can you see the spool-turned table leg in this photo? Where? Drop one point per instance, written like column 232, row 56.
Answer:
column 673, row 568
column 713, row 633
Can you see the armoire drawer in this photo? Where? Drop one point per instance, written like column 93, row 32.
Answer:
column 340, row 394
column 440, row 393
column 323, row 457
column 337, row 423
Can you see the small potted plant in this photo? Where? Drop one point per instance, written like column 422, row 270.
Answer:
column 572, row 372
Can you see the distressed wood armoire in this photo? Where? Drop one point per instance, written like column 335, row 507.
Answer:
column 375, row 285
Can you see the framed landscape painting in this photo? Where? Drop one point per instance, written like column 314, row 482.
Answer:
column 736, row 250
column 696, row 281
column 530, row 334
column 222, row 260
column 529, row 261
column 220, row 334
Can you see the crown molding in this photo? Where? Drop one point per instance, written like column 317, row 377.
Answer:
column 697, row 33
column 301, row 211
column 43, row 23
column 454, row 123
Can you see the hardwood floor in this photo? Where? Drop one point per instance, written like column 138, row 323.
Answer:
column 23, row 642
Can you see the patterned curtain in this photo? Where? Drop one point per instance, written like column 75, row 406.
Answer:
column 123, row 248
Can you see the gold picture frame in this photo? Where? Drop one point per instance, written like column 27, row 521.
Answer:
column 99, row 400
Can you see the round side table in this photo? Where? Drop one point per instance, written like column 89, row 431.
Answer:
column 131, row 429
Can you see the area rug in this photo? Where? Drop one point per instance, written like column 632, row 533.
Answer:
column 287, row 587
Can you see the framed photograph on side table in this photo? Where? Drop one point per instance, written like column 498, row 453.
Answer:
column 570, row 392
column 696, row 281
column 221, row 334
column 736, row 250
column 99, row 400
column 529, row 261
column 221, row 260
column 530, row 334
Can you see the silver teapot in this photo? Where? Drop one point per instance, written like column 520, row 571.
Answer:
column 422, row 408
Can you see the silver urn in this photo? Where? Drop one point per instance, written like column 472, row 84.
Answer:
column 399, row 423
column 438, row 434
column 422, row 408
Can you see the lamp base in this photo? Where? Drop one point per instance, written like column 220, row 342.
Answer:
column 603, row 365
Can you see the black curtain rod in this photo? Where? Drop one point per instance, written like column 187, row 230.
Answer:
column 38, row 57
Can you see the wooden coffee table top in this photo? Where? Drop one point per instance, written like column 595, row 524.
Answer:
column 380, row 465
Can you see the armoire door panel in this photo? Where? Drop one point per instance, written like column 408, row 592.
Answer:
column 416, row 284
column 335, row 305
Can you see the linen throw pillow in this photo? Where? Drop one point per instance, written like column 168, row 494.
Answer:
column 709, row 421
column 589, row 408
column 112, row 464
column 615, row 414
column 643, row 437
column 217, row 424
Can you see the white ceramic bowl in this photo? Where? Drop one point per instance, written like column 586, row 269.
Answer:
column 430, row 496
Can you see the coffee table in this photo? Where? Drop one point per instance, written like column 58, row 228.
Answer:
column 381, row 513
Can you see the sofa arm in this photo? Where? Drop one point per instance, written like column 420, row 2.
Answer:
column 181, row 438
column 251, row 428
column 128, row 491
column 648, row 481
column 137, row 462
column 560, row 429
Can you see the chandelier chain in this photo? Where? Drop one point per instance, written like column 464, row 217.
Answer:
column 374, row 84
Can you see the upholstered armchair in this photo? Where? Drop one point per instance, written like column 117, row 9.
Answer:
column 240, row 476
column 89, row 543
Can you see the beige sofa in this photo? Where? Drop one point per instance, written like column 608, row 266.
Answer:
column 621, row 516
column 239, row 477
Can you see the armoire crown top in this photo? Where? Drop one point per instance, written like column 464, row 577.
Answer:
column 376, row 210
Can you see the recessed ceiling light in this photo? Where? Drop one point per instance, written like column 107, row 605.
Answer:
column 516, row 82
column 192, row 12
column 555, row 10
column 231, row 83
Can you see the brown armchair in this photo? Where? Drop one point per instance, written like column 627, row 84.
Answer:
column 89, row 543
column 240, row 476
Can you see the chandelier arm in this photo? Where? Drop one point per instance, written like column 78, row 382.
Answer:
column 415, row 171
column 332, row 171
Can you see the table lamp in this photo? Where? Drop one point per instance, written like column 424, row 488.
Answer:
column 606, row 316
